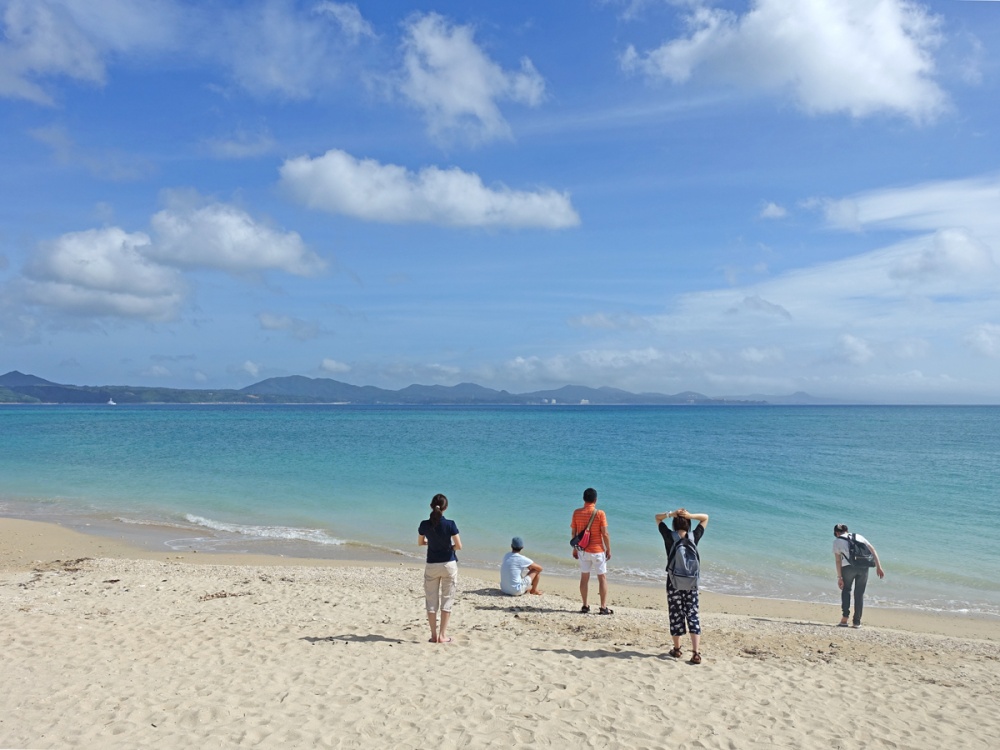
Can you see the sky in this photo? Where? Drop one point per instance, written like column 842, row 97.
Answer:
column 732, row 198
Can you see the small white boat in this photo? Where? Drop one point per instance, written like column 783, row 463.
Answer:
column 111, row 402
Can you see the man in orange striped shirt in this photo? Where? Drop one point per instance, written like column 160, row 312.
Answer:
column 593, row 557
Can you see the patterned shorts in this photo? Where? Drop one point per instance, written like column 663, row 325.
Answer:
column 683, row 608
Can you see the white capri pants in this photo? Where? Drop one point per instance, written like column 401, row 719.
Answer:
column 440, row 581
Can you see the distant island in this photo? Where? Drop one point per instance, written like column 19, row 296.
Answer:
column 17, row 387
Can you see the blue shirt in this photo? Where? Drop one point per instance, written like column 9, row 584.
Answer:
column 439, row 540
column 512, row 572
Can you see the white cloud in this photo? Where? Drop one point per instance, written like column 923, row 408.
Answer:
column 456, row 85
column 853, row 349
column 861, row 57
column 933, row 292
column 950, row 252
column 634, row 368
column 773, row 211
column 985, row 339
column 274, row 49
column 251, row 368
column 809, row 303
column 363, row 188
column 109, row 272
column 349, row 18
column 334, row 367
column 960, row 222
column 43, row 39
column 268, row 47
column 970, row 204
column 103, row 272
column 222, row 236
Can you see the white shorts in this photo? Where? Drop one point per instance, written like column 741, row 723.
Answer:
column 593, row 562
column 520, row 588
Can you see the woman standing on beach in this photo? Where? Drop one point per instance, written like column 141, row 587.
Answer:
column 682, row 601
column 440, row 536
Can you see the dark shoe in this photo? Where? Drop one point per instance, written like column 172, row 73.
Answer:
column 605, row 611
column 585, row 609
column 696, row 658
column 676, row 652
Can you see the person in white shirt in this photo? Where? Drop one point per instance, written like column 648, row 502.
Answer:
column 519, row 574
column 849, row 576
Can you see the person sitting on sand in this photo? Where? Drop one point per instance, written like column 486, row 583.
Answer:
column 517, row 572
column 682, row 604
column 440, row 536
column 848, row 575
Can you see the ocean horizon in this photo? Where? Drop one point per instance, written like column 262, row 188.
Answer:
column 355, row 481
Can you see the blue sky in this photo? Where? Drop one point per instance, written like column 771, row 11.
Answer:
column 727, row 197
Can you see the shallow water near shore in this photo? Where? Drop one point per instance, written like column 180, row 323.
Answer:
column 349, row 481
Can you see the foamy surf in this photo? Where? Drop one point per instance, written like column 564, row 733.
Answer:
column 285, row 533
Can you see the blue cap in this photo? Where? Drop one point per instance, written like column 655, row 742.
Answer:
column 517, row 543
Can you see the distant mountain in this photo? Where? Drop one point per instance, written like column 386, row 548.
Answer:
column 300, row 387
column 463, row 393
column 15, row 378
column 18, row 387
column 303, row 389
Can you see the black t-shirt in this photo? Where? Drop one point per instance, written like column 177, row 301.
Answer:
column 439, row 540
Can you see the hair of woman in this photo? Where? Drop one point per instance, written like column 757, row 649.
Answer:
column 439, row 504
column 840, row 528
column 681, row 524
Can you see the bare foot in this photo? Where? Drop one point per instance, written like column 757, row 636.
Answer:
column 433, row 639
column 536, row 593
column 445, row 640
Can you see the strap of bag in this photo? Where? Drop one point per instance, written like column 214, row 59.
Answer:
column 673, row 548
column 592, row 517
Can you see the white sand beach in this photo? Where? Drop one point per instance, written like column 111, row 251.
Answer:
column 108, row 646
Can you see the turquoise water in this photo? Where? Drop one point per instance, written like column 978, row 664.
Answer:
column 920, row 482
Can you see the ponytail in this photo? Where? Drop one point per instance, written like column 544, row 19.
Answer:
column 439, row 504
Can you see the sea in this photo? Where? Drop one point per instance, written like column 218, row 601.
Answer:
column 922, row 483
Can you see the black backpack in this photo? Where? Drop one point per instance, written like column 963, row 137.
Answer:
column 859, row 553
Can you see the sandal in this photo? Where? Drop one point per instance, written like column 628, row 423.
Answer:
column 585, row 609
column 676, row 652
column 605, row 611
column 695, row 657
